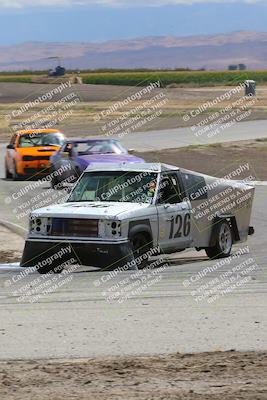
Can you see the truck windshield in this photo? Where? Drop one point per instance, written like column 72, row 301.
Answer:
column 114, row 186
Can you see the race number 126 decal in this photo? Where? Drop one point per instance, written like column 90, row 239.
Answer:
column 180, row 226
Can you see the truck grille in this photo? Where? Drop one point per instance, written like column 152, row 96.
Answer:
column 74, row 227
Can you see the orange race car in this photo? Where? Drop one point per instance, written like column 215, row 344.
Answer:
column 29, row 152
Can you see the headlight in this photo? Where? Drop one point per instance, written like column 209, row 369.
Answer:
column 110, row 229
column 40, row 226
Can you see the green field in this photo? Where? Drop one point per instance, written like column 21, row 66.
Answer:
column 184, row 78
column 16, row 78
column 142, row 78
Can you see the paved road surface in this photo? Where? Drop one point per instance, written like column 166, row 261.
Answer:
column 77, row 321
column 144, row 141
column 181, row 137
column 25, row 92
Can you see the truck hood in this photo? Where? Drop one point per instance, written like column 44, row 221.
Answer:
column 99, row 210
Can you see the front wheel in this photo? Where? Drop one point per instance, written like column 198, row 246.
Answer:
column 8, row 175
column 223, row 242
column 54, row 183
column 140, row 246
column 15, row 175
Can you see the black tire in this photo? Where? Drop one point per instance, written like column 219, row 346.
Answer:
column 58, row 270
column 8, row 175
column 141, row 243
column 49, row 269
column 54, row 183
column 15, row 175
column 44, row 270
column 223, row 242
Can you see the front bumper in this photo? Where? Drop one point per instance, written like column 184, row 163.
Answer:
column 33, row 167
column 49, row 255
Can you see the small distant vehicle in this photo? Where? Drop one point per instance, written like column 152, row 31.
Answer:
column 58, row 71
column 116, row 213
column 78, row 154
column 29, row 152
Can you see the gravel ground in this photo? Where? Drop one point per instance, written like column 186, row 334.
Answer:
column 210, row 376
column 11, row 246
column 218, row 159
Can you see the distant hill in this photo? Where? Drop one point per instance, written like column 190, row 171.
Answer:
column 211, row 52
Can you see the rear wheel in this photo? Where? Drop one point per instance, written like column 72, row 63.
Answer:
column 224, row 242
column 141, row 243
column 8, row 175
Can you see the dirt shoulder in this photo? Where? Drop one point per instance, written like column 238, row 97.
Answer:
column 209, row 376
column 11, row 246
column 218, row 159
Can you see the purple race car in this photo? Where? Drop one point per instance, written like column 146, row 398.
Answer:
column 75, row 156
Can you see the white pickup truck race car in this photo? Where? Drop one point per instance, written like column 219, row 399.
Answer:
column 117, row 213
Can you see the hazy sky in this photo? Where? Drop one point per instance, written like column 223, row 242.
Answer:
column 100, row 20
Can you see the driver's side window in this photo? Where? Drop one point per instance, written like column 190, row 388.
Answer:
column 170, row 192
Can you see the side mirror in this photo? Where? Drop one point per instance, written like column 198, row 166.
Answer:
column 131, row 151
column 10, row 147
column 65, row 154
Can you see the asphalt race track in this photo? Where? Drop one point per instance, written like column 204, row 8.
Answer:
column 181, row 137
column 77, row 320
column 82, row 318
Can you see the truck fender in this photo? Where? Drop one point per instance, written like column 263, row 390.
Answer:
column 142, row 226
column 216, row 221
